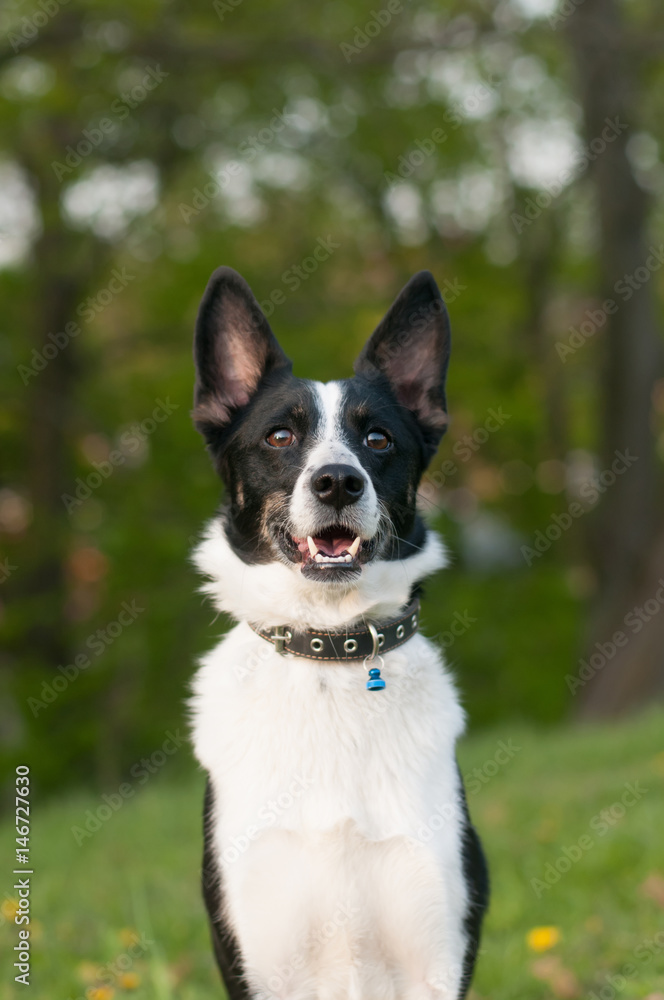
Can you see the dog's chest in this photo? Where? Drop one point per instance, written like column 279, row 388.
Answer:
column 337, row 821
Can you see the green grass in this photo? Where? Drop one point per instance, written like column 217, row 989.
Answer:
column 140, row 871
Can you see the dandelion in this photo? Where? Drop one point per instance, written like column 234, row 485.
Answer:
column 88, row 971
column 542, row 938
column 100, row 993
column 129, row 980
column 9, row 908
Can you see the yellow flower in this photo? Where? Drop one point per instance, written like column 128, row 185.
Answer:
column 542, row 938
column 88, row 971
column 100, row 993
column 129, row 980
column 9, row 908
column 128, row 936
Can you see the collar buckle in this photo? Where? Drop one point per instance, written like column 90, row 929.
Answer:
column 280, row 637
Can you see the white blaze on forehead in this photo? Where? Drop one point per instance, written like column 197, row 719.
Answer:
column 330, row 447
column 330, row 442
column 330, row 400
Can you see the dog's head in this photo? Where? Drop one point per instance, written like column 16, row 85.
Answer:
column 321, row 477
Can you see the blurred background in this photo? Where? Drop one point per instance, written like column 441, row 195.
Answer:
column 327, row 152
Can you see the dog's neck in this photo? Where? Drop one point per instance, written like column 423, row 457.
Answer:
column 274, row 593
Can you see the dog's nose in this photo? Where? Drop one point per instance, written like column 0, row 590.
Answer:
column 338, row 485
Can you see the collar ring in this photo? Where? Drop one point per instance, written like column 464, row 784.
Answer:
column 378, row 640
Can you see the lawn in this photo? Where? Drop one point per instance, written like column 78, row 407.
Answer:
column 572, row 821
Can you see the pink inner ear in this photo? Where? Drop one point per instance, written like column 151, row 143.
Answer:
column 239, row 355
column 241, row 362
column 217, row 409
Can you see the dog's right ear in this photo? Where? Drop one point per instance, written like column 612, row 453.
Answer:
column 234, row 351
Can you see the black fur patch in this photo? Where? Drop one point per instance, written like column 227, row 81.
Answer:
column 226, row 950
column 476, row 874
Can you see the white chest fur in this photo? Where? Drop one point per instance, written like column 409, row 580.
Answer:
column 338, row 820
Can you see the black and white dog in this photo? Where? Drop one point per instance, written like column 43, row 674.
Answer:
column 339, row 861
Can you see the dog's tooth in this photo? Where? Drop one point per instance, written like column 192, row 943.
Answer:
column 348, row 558
column 353, row 549
column 313, row 548
column 318, row 557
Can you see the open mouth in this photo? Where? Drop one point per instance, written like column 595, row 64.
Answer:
column 333, row 552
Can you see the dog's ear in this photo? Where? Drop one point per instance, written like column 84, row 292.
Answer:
column 234, row 350
column 410, row 347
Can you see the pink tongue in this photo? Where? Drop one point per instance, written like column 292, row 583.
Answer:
column 333, row 546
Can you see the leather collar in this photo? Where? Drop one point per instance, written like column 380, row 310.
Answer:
column 356, row 642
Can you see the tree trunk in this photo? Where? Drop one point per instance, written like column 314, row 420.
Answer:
column 624, row 530
column 64, row 263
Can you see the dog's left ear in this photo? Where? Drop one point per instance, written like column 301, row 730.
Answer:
column 234, row 350
column 410, row 347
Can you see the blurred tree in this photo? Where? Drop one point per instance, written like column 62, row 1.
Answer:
column 627, row 542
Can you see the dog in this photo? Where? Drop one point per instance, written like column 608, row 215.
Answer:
column 339, row 857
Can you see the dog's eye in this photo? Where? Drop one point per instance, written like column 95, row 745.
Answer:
column 377, row 440
column 281, row 438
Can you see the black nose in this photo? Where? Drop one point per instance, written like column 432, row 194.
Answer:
column 338, row 485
